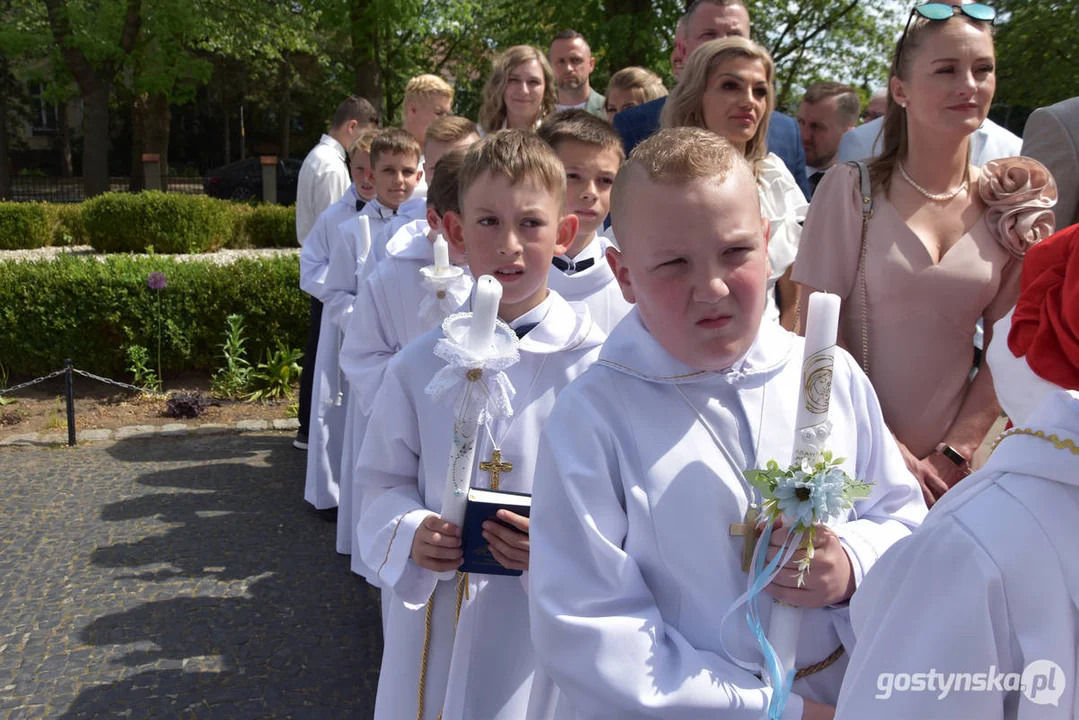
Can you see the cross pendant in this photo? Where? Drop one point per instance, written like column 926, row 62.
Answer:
column 750, row 534
column 496, row 467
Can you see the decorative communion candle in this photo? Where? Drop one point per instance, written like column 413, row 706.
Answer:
column 481, row 331
column 442, row 255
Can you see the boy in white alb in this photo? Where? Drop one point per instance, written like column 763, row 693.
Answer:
column 591, row 151
column 445, row 134
column 395, row 171
column 976, row 615
column 476, row 662
column 640, row 476
column 394, row 309
column 326, row 424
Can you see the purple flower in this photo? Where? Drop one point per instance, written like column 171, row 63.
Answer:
column 156, row 281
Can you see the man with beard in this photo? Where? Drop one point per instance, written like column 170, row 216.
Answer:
column 828, row 110
column 573, row 63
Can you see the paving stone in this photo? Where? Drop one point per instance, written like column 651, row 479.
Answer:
column 54, row 438
column 94, row 435
column 174, row 429
column 286, row 424
column 213, row 429
column 25, row 439
column 252, row 425
column 135, row 431
column 177, row 577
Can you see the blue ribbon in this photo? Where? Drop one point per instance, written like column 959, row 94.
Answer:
column 762, row 576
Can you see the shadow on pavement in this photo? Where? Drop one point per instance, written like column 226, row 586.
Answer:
column 249, row 613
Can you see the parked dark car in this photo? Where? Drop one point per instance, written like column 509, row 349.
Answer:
column 242, row 181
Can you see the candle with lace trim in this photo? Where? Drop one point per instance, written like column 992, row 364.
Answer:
column 811, row 432
column 478, row 342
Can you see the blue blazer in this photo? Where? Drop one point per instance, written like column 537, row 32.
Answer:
column 784, row 137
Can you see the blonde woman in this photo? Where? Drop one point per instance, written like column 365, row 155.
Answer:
column 727, row 87
column 630, row 87
column 942, row 249
column 520, row 92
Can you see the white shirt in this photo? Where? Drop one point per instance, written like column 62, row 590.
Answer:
column 632, row 565
column 323, row 180
column 595, row 286
column 785, row 207
column 485, row 668
column 988, row 142
column 988, row 584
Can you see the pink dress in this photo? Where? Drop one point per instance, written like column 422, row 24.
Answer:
column 920, row 314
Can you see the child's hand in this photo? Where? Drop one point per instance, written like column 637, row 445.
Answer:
column 509, row 547
column 816, row 711
column 437, row 545
column 830, row 579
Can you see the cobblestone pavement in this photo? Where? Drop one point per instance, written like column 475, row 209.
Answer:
column 176, row 578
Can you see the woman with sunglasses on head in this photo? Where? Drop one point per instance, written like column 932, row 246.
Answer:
column 936, row 245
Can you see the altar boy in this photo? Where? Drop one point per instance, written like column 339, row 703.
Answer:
column 591, row 151
column 395, row 172
column 640, row 477
column 475, row 662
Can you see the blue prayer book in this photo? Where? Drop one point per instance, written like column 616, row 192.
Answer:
column 482, row 506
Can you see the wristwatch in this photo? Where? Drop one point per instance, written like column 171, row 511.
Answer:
column 952, row 454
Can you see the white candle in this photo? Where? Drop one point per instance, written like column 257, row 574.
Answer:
column 814, row 395
column 363, row 248
column 481, row 331
column 459, row 472
column 442, row 254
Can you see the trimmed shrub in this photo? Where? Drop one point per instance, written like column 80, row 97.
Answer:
column 165, row 222
column 264, row 226
column 91, row 310
column 26, row 225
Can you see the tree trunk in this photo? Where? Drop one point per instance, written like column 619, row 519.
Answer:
column 226, row 125
column 95, row 138
column 5, row 161
column 284, row 113
column 155, row 131
column 136, row 175
column 365, row 46
column 63, row 145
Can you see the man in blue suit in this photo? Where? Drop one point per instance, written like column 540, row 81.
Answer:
column 710, row 20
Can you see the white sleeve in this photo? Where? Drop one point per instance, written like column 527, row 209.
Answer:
column 370, row 342
column 933, row 607
column 785, row 207
column 596, row 629
column 315, row 260
column 340, row 281
column 388, row 471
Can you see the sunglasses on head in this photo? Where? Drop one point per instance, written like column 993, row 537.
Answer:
column 944, row 11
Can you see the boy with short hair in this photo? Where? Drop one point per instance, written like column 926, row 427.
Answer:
column 388, row 319
column 443, row 135
column 591, row 151
column 640, row 471
column 319, row 279
column 476, row 662
column 395, row 171
column 427, row 98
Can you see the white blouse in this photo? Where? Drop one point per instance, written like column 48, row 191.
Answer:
column 785, row 207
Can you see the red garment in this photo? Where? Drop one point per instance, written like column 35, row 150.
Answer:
column 1045, row 324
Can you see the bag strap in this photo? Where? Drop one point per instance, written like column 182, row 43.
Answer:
column 866, row 187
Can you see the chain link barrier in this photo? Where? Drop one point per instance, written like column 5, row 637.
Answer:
column 30, row 383
column 116, row 383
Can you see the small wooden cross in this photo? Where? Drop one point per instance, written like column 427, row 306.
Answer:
column 750, row 534
column 496, row 467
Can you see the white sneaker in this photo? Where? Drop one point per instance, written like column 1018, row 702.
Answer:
column 300, row 441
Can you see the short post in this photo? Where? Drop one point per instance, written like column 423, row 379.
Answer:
column 269, row 179
column 151, row 170
column 69, row 382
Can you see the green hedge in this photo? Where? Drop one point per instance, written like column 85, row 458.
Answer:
column 90, row 310
column 25, row 225
column 136, row 222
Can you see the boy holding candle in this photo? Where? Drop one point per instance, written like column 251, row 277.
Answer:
column 591, row 151
column 640, row 487
column 389, row 316
column 459, row 648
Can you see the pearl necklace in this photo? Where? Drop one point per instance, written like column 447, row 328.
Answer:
column 935, row 197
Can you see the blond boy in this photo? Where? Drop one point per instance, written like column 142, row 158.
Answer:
column 395, row 171
column 640, row 476
column 591, row 152
column 477, row 662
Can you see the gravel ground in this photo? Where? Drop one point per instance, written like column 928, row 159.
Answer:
column 221, row 257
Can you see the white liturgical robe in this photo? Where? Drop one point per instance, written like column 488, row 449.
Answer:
column 485, row 669
column 983, row 597
column 388, row 320
column 633, row 566
column 324, row 276
column 595, row 286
